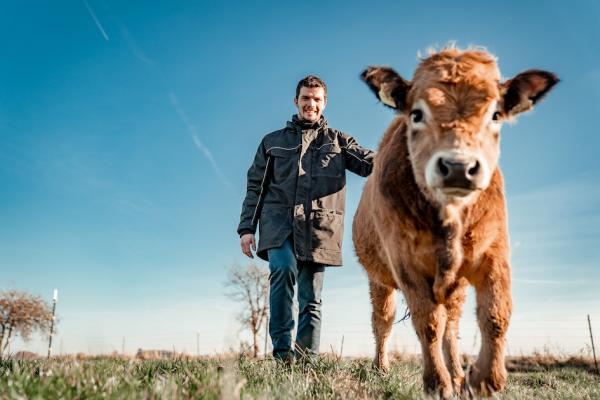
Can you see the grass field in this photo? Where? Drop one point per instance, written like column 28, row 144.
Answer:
column 234, row 378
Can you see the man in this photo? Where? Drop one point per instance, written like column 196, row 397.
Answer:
column 296, row 190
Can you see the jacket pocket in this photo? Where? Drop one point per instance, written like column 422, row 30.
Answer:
column 285, row 162
column 327, row 229
column 329, row 161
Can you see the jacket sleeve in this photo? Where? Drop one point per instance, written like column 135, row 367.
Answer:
column 256, row 181
column 358, row 159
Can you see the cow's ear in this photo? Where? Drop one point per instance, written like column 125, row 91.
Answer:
column 523, row 91
column 388, row 86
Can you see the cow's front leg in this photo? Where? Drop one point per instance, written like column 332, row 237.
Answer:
column 454, row 305
column 494, row 307
column 429, row 320
column 384, row 310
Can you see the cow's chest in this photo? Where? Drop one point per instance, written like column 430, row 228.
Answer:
column 419, row 249
column 427, row 253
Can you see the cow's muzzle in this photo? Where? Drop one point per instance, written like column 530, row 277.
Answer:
column 458, row 174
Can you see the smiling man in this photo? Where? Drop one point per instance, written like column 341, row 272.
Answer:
column 296, row 195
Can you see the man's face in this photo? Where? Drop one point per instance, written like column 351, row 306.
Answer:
column 311, row 103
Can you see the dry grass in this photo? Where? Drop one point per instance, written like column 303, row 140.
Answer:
column 235, row 377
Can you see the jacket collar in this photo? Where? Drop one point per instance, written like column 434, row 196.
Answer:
column 300, row 125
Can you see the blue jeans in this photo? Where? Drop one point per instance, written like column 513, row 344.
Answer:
column 286, row 271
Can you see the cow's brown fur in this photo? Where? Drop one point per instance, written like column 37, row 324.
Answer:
column 432, row 248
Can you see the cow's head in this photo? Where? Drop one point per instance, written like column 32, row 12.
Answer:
column 454, row 107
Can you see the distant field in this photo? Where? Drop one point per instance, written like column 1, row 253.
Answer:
column 233, row 378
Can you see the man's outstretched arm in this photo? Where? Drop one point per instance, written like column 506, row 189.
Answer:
column 358, row 159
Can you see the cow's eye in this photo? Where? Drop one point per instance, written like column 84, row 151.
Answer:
column 496, row 116
column 416, row 116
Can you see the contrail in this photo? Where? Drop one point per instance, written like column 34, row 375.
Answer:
column 192, row 130
column 141, row 55
column 135, row 49
column 98, row 24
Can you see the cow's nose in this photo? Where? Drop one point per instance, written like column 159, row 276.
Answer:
column 458, row 174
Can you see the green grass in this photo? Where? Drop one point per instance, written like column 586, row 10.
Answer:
column 230, row 378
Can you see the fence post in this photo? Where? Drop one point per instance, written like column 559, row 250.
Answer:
column 592, row 340
column 266, row 334
column 54, row 300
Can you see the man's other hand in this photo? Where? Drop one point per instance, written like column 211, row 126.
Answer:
column 247, row 241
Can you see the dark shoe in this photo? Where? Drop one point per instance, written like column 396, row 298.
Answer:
column 306, row 360
column 287, row 359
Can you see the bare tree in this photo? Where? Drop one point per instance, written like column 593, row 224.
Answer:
column 21, row 314
column 250, row 286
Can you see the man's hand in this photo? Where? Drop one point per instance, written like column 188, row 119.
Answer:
column 247, row 241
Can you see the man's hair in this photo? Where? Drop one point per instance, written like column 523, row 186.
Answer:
column 311, row 81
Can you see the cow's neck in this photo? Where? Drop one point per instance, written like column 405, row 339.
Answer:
column 398, row 186
column 448, row 250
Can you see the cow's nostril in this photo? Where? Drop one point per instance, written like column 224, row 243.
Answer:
column 473, row 170
column 442, row 167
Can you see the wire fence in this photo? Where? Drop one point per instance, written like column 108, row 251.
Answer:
column 564, row 335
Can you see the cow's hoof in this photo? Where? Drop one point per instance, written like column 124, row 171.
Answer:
column 440, row 392
column 438, row 386
column 382, row 365
column 383, row 369
column 486, row 385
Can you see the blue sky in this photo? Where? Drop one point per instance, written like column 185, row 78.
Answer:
column 127, row 128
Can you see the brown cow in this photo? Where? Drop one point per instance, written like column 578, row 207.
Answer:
column 432, row 217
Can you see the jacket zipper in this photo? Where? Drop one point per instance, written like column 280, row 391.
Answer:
column 308, row 208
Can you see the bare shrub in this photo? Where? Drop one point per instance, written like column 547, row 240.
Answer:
column 250, row 286
column 22, row 314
